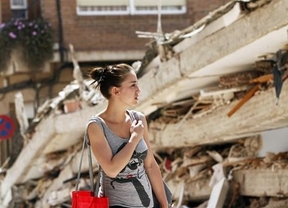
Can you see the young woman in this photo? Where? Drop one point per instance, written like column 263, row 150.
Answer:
column 119, row 141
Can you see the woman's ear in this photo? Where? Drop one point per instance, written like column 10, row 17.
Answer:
column 115, row 91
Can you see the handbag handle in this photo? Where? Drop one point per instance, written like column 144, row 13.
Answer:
column 135, row 115
column 86, row 143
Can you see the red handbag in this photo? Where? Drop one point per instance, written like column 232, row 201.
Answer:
column 87, row 198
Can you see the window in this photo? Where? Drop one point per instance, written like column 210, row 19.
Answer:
column 129, row 7
column 103, row 7
column 19, row 9
column 18, row 4
column 151, row 7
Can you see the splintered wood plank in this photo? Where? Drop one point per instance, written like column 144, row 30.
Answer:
column 244, row 100
column 264, row 182
column 261, row 79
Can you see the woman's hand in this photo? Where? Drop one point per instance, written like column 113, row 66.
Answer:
column 136, row 130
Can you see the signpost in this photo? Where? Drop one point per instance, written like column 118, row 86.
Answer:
column 7, row 127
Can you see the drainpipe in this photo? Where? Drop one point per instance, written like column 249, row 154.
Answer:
column 60, row 31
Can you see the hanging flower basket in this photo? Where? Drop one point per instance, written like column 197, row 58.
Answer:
column 34, row 39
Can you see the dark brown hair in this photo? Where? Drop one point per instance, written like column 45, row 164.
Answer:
column 110, row 76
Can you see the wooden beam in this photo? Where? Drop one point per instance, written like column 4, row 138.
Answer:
column 250, row 93
column 261, row 79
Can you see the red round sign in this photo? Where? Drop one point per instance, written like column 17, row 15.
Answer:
column 7, row 127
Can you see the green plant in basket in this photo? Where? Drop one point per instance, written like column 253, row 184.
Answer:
column 32, row 39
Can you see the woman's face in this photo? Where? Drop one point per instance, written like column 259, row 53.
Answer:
column 129, row 90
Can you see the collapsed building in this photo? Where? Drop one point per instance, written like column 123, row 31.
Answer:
column 209, row 92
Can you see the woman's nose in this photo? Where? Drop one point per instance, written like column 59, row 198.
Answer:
column 138, row 89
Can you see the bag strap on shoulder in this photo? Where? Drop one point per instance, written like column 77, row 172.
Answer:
column 134, row 115
column 86, row 143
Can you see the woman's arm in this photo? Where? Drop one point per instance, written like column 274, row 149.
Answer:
column 153, row 170
column 102, row 151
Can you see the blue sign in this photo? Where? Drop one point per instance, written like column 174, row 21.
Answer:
column 7, row 127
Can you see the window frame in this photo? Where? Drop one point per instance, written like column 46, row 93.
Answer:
column 16, row 7
column 101, row 13
column 131, row 9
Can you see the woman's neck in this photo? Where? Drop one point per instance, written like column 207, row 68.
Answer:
column 115, row 114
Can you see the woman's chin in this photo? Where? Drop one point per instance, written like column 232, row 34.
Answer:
column 134, row 103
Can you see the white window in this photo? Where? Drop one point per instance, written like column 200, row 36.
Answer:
column 102, row 7
column 18, row 4
column 129, row 7
column 151, row 6
column 19, row 9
